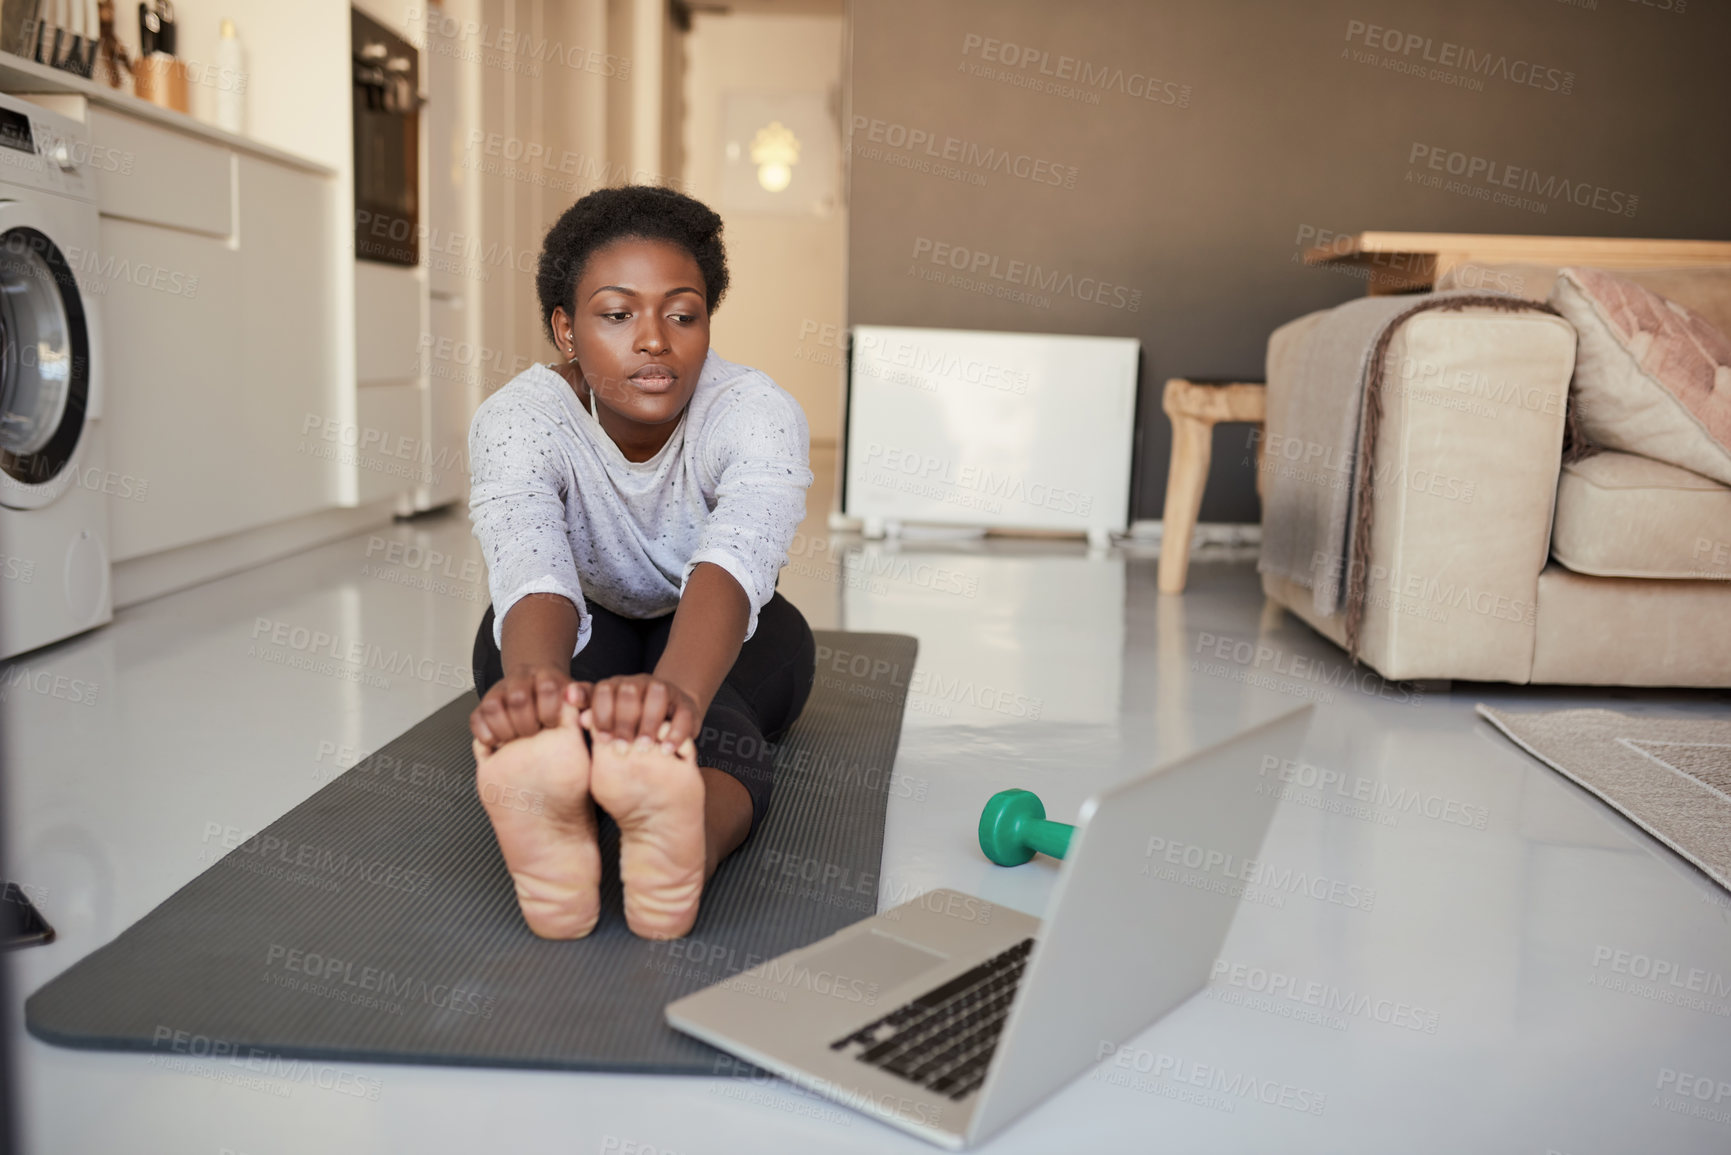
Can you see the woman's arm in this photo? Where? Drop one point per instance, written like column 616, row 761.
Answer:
column 540, row 632
column 517, row 505
column 708, row 630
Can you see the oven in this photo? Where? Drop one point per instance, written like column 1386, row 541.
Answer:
column 387, row 79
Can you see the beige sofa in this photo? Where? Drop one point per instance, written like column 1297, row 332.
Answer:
column 1494, row 561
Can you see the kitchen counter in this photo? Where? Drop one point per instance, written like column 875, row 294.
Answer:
column 18, row 75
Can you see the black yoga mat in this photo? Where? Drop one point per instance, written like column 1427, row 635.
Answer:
column 376, row 921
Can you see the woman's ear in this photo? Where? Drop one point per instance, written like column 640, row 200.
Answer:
column 563, row 338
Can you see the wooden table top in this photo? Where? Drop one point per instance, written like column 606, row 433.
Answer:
column 1404, row 261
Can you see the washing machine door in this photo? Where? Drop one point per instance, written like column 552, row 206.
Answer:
column 44, row 362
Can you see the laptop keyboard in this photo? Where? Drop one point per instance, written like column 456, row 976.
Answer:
column 944, row 1039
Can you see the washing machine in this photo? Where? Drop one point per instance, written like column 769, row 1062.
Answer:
column 54, row 567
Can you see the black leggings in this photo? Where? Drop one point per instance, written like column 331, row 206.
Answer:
column 759, row 699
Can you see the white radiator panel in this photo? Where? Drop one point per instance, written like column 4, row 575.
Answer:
column 1000, row 430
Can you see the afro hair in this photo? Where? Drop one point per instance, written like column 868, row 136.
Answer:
column 606, row 215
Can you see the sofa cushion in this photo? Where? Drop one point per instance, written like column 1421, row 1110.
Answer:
column 1597, row 631
column 1703, row 289
column 1619, row 515
column 1651, row 376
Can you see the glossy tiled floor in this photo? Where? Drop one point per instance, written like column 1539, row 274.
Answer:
column 1477, row 977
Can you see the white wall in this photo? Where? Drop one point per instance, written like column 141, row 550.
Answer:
column 789, row 273
column 561, row 112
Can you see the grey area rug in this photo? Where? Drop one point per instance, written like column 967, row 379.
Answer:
column 1670, row 776
column 376, row 921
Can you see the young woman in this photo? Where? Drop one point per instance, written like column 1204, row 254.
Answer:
column 634, row 501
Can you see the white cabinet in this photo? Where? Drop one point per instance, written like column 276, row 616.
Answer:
column 391, row 458
column 224, row 389
column 171, row 412
column 146, row 173
column 390, row 303
column 453, row 392
column 289, row 378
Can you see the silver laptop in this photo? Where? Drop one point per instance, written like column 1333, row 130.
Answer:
column 948, row 1017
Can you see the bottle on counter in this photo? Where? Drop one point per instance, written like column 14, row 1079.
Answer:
column 230, row 81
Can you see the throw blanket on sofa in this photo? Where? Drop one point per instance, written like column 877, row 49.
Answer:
column 1318, row 467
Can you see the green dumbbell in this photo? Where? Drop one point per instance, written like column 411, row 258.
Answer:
column 1014, row 827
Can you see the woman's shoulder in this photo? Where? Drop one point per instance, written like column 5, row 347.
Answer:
column 728, row 392
column 535, row 394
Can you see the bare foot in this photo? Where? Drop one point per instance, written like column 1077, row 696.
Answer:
column 536, row 791
column 657, row 799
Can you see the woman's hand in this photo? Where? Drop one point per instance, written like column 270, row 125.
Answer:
column 525, row 702
column 643, row 706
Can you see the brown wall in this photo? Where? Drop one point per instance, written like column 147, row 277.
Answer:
column 1267, row 124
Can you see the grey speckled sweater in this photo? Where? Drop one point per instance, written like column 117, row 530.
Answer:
column 558, row 509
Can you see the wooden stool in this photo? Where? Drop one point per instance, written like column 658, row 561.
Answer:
column 1194, row 410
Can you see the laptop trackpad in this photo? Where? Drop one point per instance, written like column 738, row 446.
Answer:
column 876, row 959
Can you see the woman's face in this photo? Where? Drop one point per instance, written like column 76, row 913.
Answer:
column 639, row 328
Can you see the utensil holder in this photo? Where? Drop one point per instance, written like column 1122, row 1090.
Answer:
column 161, row 79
